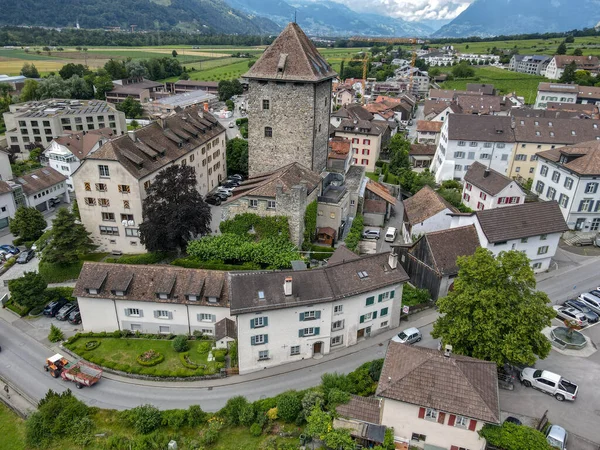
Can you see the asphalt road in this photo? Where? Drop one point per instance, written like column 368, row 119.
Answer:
column 22, row 357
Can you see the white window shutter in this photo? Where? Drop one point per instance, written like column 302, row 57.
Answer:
column 214, row 318
column 156, row 314
column 170, row 315
column 127, row 311
column 141, row 313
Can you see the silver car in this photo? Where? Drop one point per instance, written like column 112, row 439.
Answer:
column 591, row 300
column 408, row 336
column 572, row 314
column 557, row 437
column 371, row 234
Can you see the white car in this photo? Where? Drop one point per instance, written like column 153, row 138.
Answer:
column 227, row 191
column 572, row 314
column 408, row 336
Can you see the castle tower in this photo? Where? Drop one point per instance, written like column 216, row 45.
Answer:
column 289, row 101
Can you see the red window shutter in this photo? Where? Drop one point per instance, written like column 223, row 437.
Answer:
column 441, row 418
column 472, row 425
column 453, row 447
column 451, row 420
column 421, row 413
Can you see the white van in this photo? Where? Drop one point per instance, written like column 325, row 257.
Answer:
column 390, row 234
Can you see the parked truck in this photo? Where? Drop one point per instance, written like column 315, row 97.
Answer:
column 549, row 383
column 81, row 373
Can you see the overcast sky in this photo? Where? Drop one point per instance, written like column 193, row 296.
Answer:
column 411, row 9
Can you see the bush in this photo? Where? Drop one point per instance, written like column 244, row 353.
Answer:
column 193, row 263
column 196, row 416
column 149, row 359
column 255, row 430
column 55, row 293
column 247, row 415
column 56, row 334
column 320, row 253
column 219, row 355
column 233, row 354
column 310, row 224
column 180, row 343
column 204, row 347
column 414, row 296
column 144, row 419
column 91, row 345
column 185, row 361
column 11, row 262
column 144, row 258
column 337, row 397
column 312, row 398
column 289, row 406
column 355, row 233
column 514, row 437
column 175, row 418
column 231, row 411
column 211, row 435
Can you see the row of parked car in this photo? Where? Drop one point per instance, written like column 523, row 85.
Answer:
column 10, row 251
column 62, row 309
column 224, row 191
column 583, row 310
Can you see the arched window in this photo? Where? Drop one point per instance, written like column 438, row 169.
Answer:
column 268, row 132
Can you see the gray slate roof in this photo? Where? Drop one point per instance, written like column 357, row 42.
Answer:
column 446, row 246
column 40, row 179
column 469, row 127
column 366, row 409
column 336, row 281
column 456, row 384
column 521, row 221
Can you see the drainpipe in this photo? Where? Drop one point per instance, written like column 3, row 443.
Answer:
column 117, row 314
column 187, row 308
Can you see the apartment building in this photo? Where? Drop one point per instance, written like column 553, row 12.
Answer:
column 468, row 138
column 64, row 154
column 181, row 86
column 555, row 92
column 569, row 175
column 111, row 182
column 37, row 123
column 139, row 89
column 367, row 138
column 536, row 134
column 558, row 63
column 288, row 316
column 531, row 64
column 486, row 189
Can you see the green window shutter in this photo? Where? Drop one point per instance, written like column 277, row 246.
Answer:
column 266, row 338
column 374, row 314
column 318, row 314
column 392, row 293
column 266, row 321
column 301, row 317
column 362, row 319
column 301, row 333
column 252, row 340
column 380, row 298
column 251, row 323
column 370, row 300
column 384, row 312
column 317, row 331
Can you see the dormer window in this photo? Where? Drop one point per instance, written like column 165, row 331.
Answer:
column 118, row 293
column 192, row 298
column 261, row 295
column 92, row 291
column 162, row 296
column 212, row 299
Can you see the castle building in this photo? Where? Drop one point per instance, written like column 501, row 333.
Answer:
column 288, row 105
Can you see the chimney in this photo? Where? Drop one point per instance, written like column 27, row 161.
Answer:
column 393, row 259
column 486, row 173
column 131, row 134
column 287, row 286
column 447, row 350
column 205, row 106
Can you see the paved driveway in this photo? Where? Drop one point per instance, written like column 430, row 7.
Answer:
column 17, row 271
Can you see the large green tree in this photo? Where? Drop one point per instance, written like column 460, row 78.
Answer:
column 54, row 87
column 30, row 71
column 463, row 70
column 28, row 223
column 174, row 211
column 131, row 107
column 237, row 156
column 70, row 69
column 69, row 240
column 399, row 148
column 562, row 49
column 495, row 312
column 568, row 75
column 27, row 290
column 29, row 91
column 227, row 89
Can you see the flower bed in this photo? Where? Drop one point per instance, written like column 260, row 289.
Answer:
column 91, row 345
column 150, row 358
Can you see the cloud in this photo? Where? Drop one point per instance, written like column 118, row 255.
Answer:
column 412, row 10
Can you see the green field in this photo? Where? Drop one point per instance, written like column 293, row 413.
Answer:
column 505, row 81
column 12, row 429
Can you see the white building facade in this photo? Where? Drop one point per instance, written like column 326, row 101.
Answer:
column 465, row 139
column 477, row 199
column 554, row 92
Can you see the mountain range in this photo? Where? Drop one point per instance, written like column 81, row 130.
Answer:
column 328, row 18
column 506, row 17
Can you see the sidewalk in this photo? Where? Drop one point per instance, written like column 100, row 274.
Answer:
column 420, row 319
column 16, row 400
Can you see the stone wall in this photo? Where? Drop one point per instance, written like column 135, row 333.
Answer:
column 299, row 117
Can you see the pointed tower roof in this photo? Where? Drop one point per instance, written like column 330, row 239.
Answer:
column 291, row 57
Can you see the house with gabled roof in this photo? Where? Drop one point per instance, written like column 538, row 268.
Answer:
column 424, row 212
column 111, row 183
column 435, row 399
column 44, row 188
column 431, row 261
column 287, row 316
column 531, row 228
column 486, row 188
column 284, row 192
column 377, row 205
column 154, row 299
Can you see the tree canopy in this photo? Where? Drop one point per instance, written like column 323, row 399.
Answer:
column 463, row 70
column 30, row 71
column 174, row 211
column 28, row 223
column 568, row 75
column 28, row 289
column 495, row 312
column 69, row 240
column 237, row 156
column 131, row 107
column 562, row 49
column 228, row 89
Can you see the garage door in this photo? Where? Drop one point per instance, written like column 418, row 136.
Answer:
column 42, row 207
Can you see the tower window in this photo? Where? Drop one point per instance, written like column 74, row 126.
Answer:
column 266, row 104
column 268, row 132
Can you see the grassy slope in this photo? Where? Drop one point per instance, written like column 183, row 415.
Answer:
column 12, row 430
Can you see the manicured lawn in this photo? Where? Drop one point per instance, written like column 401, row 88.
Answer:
column 373, row 176
column 54, row 273
column 12, row 430
column 121, row 354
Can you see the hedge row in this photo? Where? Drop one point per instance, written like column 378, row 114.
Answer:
column 355, row 233
column 144, row 258
column 193, row 263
